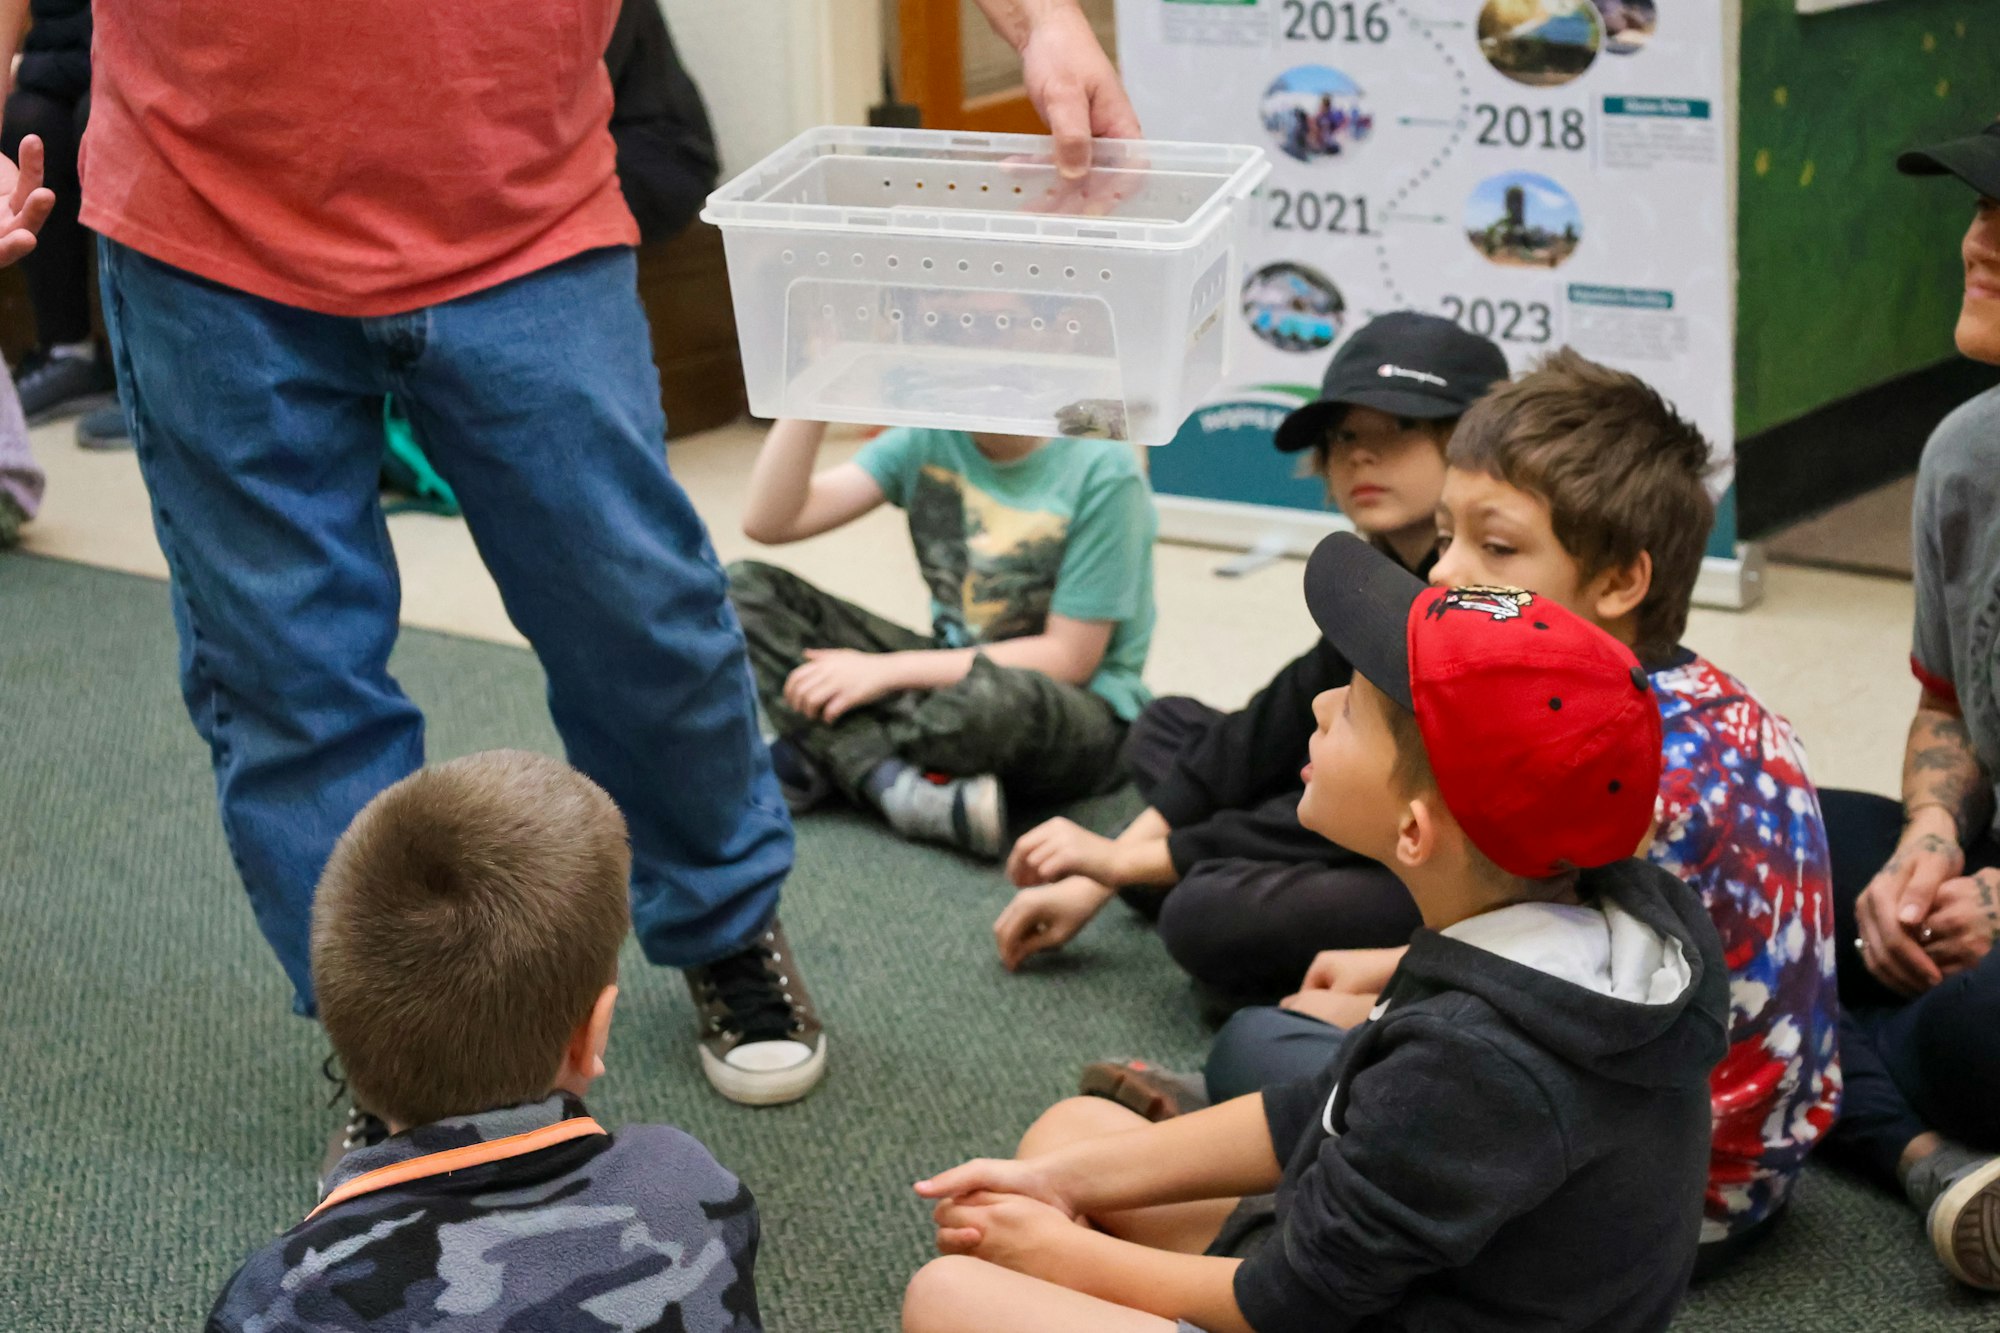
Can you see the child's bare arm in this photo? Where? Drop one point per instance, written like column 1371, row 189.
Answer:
column 1066, row 650
column 1222, row 1152
column 788, row 501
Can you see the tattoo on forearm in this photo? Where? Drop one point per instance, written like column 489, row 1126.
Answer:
column 1940, row 768
column 1989, row 902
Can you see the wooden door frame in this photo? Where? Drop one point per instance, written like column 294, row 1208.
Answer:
column 930, row 65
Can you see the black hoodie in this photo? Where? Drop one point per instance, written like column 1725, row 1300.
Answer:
column 1501, row 1147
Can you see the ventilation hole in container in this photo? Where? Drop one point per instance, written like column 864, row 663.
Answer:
column 999, row 267
column 1067, row 273
column 861, row 312
column 1002, row 321
column 1035, row 323
column 857, row 261
column 1034, row 270
column 929, row 264
column 965, row 321
column 825, row 258
column 931, row 318
column 826, row 310
column 893, row 261
column 951, row 185
column 984, row 188
column 887, row 185
column 920, row 185
column 895, row 317
column 1104, row 274
column 1073, row 326
column 789, row 256
column 1017, row 189
column 964, row 265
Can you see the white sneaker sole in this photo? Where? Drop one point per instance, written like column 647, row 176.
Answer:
column 1965, row 1224
column 985, row 818
column 765, row 1087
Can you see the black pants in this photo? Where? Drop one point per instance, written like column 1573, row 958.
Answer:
column 58, row 272
column 1249, row 920
column 1908, row 1065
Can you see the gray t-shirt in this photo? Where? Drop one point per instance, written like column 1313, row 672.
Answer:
column 1955, row 535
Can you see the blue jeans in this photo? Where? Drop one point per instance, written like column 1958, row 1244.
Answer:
column 258, row 427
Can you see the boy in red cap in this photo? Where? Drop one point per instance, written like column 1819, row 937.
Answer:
column 1518, row 1137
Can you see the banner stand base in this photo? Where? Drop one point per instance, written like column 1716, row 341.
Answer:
column 1726, row 583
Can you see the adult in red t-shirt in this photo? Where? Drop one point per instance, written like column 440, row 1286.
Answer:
column 307, row 206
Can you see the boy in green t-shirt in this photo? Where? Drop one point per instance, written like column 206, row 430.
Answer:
column 1039, row 559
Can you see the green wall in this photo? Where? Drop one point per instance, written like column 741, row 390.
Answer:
column 1849, row 273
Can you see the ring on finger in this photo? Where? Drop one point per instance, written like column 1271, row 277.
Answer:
column 1860, row 944
column 1925, row 935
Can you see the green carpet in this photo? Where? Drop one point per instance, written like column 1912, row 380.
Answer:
column 161, row 1112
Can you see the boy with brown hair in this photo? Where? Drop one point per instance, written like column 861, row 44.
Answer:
column 1515, row 1138
column 1220, row 837
column 465, row 953
column 1579, row 482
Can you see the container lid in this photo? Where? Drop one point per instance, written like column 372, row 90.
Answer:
column 1138, row 193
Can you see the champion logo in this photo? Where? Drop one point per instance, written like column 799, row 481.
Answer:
column 1389, row 372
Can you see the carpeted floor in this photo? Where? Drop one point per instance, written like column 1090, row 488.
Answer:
column 161, row 1111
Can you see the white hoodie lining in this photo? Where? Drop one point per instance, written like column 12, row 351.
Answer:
column 1600, row 948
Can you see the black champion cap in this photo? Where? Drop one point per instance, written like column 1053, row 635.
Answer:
column 1975, row 159
column 1403, row 363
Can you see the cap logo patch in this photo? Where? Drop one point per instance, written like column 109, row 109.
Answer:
column 1495, row 602
column 1389, row 372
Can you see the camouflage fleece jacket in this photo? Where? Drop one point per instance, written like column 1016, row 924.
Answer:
column 529, row 1217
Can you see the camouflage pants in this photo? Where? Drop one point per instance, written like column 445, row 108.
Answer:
column 12, row 518
column 1046, row 741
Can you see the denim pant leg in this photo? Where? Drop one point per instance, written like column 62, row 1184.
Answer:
column 258, row 429
column 540, row 404
column 1259, row 1047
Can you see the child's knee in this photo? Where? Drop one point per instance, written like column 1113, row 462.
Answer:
column 1075, row 1119
column 939, row 1288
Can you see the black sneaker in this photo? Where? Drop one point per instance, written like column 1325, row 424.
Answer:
column 53, row 386
column 761, row 1041
column 103, row 429
column 360, row 1129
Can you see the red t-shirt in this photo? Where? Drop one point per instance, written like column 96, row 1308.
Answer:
column 355, row 157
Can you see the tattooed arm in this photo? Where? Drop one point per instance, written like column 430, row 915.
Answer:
column 1946, row 796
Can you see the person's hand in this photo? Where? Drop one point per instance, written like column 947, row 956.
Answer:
column 1010, row 1230
column 1353, row 971
column 1340, row 1008
column 999, row 1175
column 1891, row 910
column 1059, row 849
column 1075, row 87
column 1047, row 917
column 834, row 681
column 1963, row 923
column 28, row 201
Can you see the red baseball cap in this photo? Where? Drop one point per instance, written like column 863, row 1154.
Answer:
column 1543, row 731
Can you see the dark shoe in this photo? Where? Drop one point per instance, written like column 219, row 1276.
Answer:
column 1965, row 1226
column 1158, row 1094
column 103, row 429
column 804, row 783
column 53, row 386
column 360, row 1129
column 761, row 1041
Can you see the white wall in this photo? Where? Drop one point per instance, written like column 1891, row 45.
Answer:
column 770, row 68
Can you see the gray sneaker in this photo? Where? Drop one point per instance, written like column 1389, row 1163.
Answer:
column 54, row 386
column 761, row 1041
column 103, row 429
column 967, row 813
column 1964, row 1224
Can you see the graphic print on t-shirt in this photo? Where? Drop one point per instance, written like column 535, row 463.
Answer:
column 991, row 568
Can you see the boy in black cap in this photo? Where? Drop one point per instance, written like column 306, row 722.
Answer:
column 1518, row 1137
column 1222, row 829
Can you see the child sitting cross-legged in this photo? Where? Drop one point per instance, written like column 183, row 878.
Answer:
column 1039, row 559
column 465, row 949
column 1518, row 1137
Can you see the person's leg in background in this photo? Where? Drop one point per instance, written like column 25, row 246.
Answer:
column 1162, row 730
column 66, row 372
column 1262, row 1046
column 555, row 447
column 260, row 438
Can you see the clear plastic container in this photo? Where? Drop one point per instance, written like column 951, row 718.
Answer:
column 935, row 278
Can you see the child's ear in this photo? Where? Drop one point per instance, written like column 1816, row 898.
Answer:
column 1417, row 833
column 1619, row 590
column 583, row 1058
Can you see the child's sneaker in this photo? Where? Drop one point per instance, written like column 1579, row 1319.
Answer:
column 1158, row 1094
column 805, row 784
column 967, row 813
column 761, row 1041
column 1964, row 1224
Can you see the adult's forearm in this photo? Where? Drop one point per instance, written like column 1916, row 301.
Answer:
column 1941, row 772
column 1222, row 1152
column 1015, row 19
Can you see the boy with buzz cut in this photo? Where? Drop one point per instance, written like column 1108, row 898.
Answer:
column 465, row 950
column 1579, row 482
column 1517, row 1136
